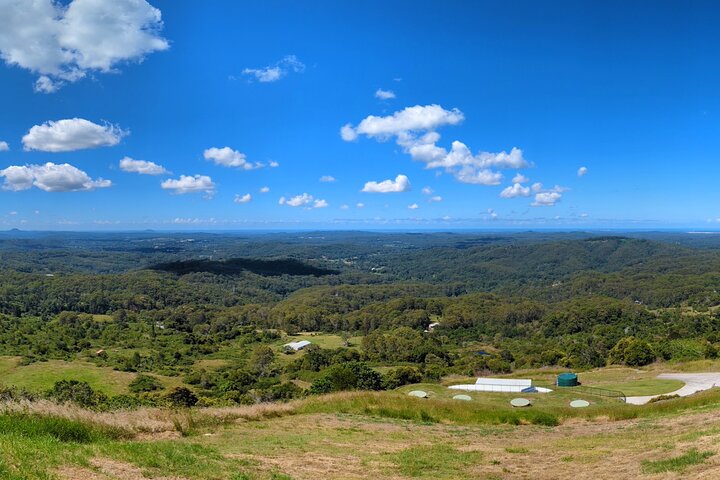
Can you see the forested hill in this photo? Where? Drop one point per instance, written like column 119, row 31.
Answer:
column 236, row 266
column 509, row 266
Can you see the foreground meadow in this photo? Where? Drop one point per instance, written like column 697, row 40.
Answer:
column 364, row 435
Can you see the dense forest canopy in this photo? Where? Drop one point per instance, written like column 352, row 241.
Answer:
column 417, row 305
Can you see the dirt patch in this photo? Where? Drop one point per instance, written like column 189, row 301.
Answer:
column 79, row 473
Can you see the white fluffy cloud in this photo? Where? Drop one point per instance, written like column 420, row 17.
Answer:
column 414, row 129
column 546, row 197
column 64, row 43
column 436, row 198
column 50, row 177
column 264, row 189
column 384, row 94
column 410, row 119
column 143, row 167
column 327, row 179
column 413, row 206
column 71, row 134
column 515, row 190
column 190, row 184
column 400, row 184
column 360, row 205
column 582, row 171
column 304, row 200
column 520, row 178
column 273, row 73
column 227, row 157
column 427, row 191
column 243, row 198
column 4, row 147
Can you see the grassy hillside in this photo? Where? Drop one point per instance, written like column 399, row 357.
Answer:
column 360, row 435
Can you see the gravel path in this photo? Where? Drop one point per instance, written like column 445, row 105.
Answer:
column 694, row 382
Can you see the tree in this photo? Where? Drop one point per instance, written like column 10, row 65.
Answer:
column 639, row 353
column 77, row 392
column 144, row 383
column 182, row 397
column 632, row 352
column 261, row 360
column 348, row 376
column 401, row 376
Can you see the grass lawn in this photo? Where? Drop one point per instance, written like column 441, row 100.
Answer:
column 41, row 376
column 629, row 381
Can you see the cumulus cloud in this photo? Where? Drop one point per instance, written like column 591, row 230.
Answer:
column 410, row 119
column 71, row 134
column 582, row 171
column 546, row 197
column 515, row 190
column 427, row 191
column 143, row 167
column 50, row 177
column 436, row 198
column 413, row 206
column 243, row 198
column 190, row 184
column 4, row 147
column 400, row 184
column 360, row 205
column 273, row 73
column 273, row 164
column 64, row 43
column 414, row 129
column 264, row 189
column 227, row 157
column 520, row 178
column 384, row 94
column 327, row 179
column 348, row 133
column 304, row 200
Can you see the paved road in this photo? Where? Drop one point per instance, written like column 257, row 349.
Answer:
column 694, row 382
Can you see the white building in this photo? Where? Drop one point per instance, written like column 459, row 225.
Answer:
column 514, row 385
column 297, row 346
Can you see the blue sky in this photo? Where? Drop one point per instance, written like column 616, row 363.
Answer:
column 627, row 90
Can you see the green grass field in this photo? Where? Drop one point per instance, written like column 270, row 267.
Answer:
column 365, row 435
column 41, row 376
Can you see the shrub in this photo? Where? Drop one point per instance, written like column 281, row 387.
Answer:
column 80, row 393
column 401, row 376
column 632, row 352
column 182, row 397
column 144, row 383
column 347, row 376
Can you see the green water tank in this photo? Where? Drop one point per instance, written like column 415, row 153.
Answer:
column 567, row 380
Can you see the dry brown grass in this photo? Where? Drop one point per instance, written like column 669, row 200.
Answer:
column 151, row 422
column 106, row 469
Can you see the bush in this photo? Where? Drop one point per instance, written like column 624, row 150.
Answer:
column 632, row 352
column 182, row 397
column 401, row 376
column 80, row 393
column 639, row 353
column 144, row 383
column 347, row 376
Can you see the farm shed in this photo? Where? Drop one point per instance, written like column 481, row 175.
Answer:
column 497, row 385
column 297, row 346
